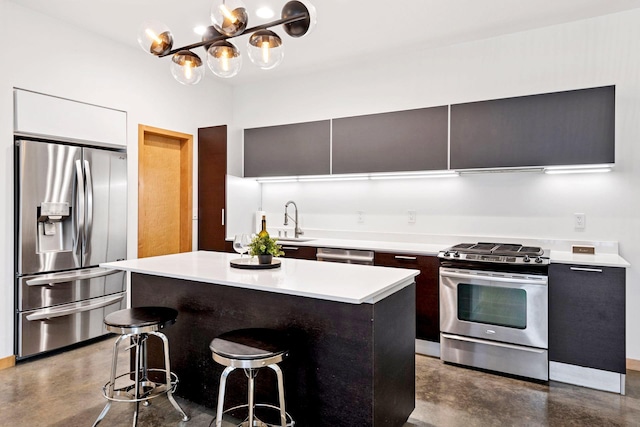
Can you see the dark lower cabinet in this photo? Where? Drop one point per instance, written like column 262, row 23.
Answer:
column 427, row 302
column 587, row 316
column 299, row 252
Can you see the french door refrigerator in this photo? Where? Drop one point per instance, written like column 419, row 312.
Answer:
column 71, row 215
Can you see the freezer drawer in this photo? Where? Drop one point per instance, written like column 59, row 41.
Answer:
column 56, row 327
column 61, row 288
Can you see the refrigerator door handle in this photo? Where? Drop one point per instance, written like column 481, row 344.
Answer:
column 79, row 208
column 51, row 279
column 88, row 206
column 50, row 313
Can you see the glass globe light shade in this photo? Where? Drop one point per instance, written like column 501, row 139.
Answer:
column 229, row 17
column 186, row 67
column 224, row 59
column 295, row 8
column 155, row 38
column 265, row 49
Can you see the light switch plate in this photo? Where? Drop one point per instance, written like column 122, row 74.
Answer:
column 579, row 221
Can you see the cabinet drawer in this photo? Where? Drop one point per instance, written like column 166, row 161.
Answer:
column 427, row 297
column 299, row 252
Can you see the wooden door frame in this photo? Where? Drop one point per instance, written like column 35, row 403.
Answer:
column 186, row 180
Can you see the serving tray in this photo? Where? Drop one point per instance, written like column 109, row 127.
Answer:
column 252, row 264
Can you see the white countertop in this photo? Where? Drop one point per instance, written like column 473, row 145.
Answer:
column 431, row 249
column 349, row 283
column 603, row 260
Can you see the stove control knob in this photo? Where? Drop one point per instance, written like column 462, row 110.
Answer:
column 538, row 260
column 456, row 254
column 526, row 258
column 445, row 253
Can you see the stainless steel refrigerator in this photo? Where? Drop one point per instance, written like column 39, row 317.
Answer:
column 71, row 215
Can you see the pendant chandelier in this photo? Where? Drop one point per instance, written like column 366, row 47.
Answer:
column 229, row 19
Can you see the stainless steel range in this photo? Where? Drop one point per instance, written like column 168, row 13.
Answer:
column 494, row 308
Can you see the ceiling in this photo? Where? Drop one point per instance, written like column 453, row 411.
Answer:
column 346, row 30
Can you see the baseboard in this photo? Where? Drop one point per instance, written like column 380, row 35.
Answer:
column 7, row 362
column 587, row 377
column 633, row 365
column 428, row 348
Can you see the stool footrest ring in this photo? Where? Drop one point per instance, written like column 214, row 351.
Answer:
column 148, row 389
column 260, row 423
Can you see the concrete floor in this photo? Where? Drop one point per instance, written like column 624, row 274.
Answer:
column 64, row 390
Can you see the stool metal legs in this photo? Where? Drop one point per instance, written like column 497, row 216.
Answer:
column 251, row 375
column 143, row 388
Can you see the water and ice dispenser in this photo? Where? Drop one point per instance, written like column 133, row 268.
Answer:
column 55, row 228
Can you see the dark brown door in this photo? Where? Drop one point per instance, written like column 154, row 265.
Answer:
column 212, row 170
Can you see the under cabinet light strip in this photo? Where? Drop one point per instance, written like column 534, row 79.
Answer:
column 359, row 177
column 578, row 169
column 415, row 175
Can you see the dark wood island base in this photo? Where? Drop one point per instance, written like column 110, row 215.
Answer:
column 350, row 365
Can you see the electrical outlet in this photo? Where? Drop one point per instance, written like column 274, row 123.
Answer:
column 579, row 221
column 360, row 217
column 412, row 217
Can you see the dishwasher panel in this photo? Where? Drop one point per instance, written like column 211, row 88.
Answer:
column 346, row 256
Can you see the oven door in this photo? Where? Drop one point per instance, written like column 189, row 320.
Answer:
column 506, row 307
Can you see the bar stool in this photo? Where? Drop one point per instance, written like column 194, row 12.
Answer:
column 251, row 349
column 137, row 324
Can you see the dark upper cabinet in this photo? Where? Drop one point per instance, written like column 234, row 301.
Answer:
column 411, row 140
column 288, row 150
column 562, row 128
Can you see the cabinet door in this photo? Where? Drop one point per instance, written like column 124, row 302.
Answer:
column 288, row 150
column 411, row 140
column 587, row 316
column 427, row 302
column 299, row 252
column 212, row 170
column 562, row 128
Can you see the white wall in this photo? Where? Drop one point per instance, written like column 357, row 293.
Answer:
column 51, row 57
column 595, row 52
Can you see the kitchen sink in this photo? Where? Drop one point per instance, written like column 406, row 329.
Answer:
column 293, row 239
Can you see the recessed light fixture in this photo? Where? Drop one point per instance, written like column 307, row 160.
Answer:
column 265, row 12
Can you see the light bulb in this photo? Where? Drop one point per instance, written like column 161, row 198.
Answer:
column 224, row 59
column 265, row 49
column 229, row 17
column 186, row 67
column 265, row 52
column 155, row 38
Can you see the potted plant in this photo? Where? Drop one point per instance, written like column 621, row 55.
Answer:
column 265, row 248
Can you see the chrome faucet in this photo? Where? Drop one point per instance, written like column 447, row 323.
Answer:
column 297, row 232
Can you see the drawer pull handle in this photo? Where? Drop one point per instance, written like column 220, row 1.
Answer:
column 290, row 248
column 406, row 258
column 590, row 270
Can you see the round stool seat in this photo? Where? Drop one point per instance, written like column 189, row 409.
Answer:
column 249, row 348
column 139, row 320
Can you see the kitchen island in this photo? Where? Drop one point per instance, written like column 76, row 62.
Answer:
column 352, row 330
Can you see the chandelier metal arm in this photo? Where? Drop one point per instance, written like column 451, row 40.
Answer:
column 292, row 19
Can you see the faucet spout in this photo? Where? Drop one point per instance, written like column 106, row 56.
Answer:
column 297, row 231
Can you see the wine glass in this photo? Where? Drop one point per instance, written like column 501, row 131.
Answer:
column 240, row 244
column 245, row 242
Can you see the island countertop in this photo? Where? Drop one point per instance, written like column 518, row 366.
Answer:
column 349, row 283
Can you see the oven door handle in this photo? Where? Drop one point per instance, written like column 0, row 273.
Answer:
column 63, row 311
column 541, row 281
column 493, row 343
